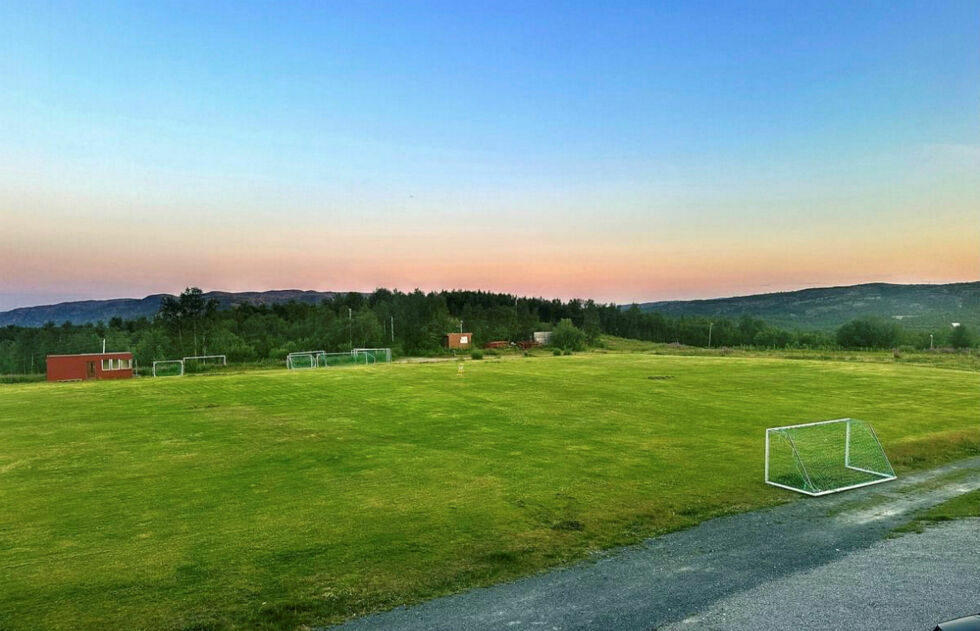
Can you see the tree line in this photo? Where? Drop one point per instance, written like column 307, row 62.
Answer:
column 414, row 323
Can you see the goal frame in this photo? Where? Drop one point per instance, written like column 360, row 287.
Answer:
column 882, row 477
column 313, row 355
column 169, row 361
column 320, row 359
column 373, row 352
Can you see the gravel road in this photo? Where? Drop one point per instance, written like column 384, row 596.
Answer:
column 733, row 567
column 904, row 584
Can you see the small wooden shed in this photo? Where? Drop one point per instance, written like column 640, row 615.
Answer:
column 461, row 341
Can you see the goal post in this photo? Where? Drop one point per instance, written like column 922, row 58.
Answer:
column 168, row 368
column 825, row 457
column 323, row 359
column 371, row 355
column 302, row 359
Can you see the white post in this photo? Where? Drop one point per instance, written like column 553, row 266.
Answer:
column 103, row 346
column 767, row 455
column 847, row 443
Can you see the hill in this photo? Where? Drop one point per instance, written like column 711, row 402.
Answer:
column 915, row 306
column 83, row 311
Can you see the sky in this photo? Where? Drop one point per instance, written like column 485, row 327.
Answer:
column 616, row 151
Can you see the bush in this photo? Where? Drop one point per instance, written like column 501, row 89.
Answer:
column 567, row 336
column 566, row 352
column 556, row 352
column 869, row 332
column 477, row 354
column 962, row 337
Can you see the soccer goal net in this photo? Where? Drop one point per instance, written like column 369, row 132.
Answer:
column 303, row 359
column 168, row 368
column 825, row 457
column 371, row 355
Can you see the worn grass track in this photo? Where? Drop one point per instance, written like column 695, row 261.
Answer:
column 278, row 499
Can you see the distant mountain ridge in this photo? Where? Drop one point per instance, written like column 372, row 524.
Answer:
column 825, row 308
column 84, row 311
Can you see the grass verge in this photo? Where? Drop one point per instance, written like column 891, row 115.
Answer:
column 966, row 505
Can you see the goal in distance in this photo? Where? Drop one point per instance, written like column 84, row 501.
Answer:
column 323, row 359
column 825, row 457
column 168, row 368
column 371, row 355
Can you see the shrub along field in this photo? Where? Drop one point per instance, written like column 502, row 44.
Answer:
column 279, row 499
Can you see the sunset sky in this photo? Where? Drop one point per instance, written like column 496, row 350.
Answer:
column 649, row 151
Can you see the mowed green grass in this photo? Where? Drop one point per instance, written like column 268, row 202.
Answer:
column 280, row 499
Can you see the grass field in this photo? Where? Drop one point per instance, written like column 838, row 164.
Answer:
column 284, row 498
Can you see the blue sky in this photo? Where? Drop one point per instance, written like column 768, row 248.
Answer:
column 628, row 151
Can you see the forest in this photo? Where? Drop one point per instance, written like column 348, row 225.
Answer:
column 414, row 323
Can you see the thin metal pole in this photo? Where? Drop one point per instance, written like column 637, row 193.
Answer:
column 767, row 455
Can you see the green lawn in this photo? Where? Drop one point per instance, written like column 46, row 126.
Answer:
column 277, row 499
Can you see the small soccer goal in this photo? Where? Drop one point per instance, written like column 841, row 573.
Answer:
column 303, row 359
column 168, row 368
column 323, row 359
column 825, row 457
column 371, row 355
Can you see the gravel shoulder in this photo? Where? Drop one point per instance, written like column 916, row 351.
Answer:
column 733, row 566
column 904, row 584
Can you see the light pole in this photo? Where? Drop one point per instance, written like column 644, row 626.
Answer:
column 350, row 328
column 930, row 341
column 710, row 324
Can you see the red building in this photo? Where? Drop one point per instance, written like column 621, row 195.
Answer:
column 90, row 366
column 457, row 340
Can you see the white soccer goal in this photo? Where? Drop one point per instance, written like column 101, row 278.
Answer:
column 371, row 355
column 303, row 359
column 168, row 368
column 825, row 457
